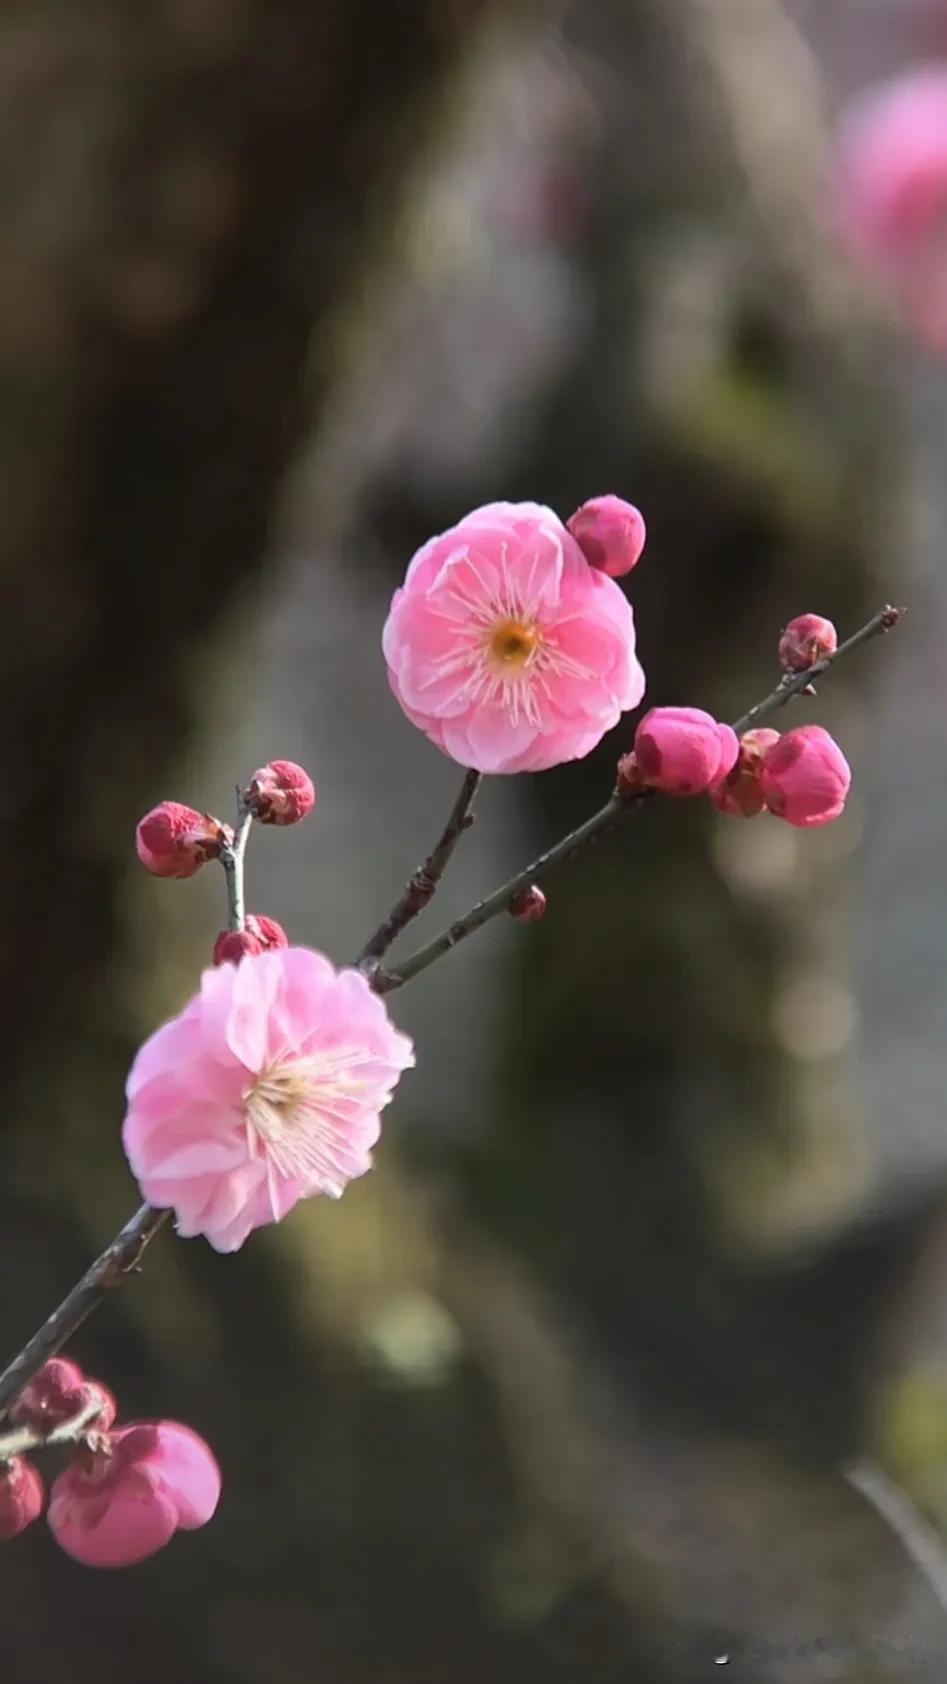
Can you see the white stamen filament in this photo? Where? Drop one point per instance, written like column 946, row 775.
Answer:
column 502, row 651
column 296, row 1110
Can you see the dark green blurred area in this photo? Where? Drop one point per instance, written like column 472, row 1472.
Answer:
column 565, row 1389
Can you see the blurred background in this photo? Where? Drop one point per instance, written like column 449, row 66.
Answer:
column 656, row 1246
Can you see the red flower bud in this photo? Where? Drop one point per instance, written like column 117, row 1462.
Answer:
column 740, row 793
column 610, row 533
column 259, row 934
column 175, row 841
column 233, row 945
column 21, row 1496
column 281, row 793
column 54, row 1395
column 807, row 639
column 683, row 751
column 527, row 904
column 806, row 777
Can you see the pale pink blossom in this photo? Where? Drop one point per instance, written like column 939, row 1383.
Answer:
column 126, row 1493
column 21, row 1496
column 891, row 191
column 683, row 751
column 805, row 777
column 506, row 647
column 268, row 1088
column 610, row 533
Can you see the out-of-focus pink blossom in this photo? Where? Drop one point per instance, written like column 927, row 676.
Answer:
column 807, row 639
column 54, row 1395
column 58, row 1393
column 21, row 1496
column 267, row 1089
column 683, row 751
column 610, row 533
column 805, row 777
column 281, row 793
column 126, row 1493
column 258, row 934
column 528, row 904
column 891, row 191
column 740, row 793
column 506, row 648
column 175, row 841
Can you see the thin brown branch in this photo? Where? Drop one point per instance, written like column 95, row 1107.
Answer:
column 614, row 808
column 422, row 884
column 109, row 1270
column 121, row 1257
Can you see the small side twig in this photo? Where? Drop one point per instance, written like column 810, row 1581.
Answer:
column 921, row 1543
column 232, row 858
column 68, row 1432
column 422, row 884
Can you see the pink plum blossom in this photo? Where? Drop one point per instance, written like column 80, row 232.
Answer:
column 506, row 648
column 805, row 777
column 683, row 751
column 267, row 1089
column 891, row 189
column 21, row 1496
column 610, row 533
column 175, row 841
column 126, row 1493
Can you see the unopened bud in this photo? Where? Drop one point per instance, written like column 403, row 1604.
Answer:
column 807, row 639
column 527, row 904
column 54, row 1395
column 740, row 793
column 258, row 934
column 610, row 533
column 281, row 793
column 683, row 751
column 175, row 841
column 806, row 777
column 21, row 1496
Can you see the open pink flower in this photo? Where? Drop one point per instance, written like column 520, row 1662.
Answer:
column 891, row 190
column 126, row 1493
column 266, row 1089
column 506, row 647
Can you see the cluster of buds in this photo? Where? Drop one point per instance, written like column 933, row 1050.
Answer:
column 800, row 776
column 126, row 1490
column 175, row 841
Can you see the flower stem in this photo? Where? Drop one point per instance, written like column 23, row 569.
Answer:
column 232, row 858
column 422, row 884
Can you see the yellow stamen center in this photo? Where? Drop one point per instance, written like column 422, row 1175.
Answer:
column 512, row 643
